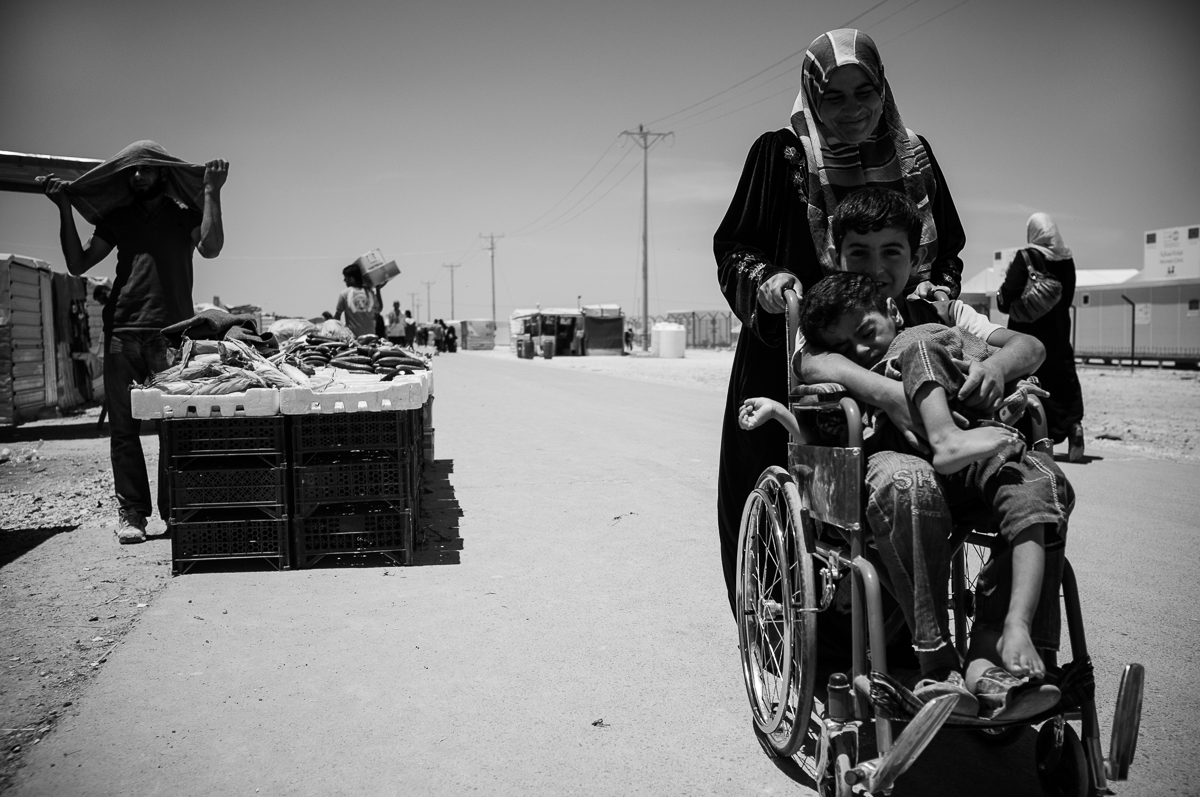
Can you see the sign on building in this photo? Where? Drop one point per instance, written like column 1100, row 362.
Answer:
column 1172, row 253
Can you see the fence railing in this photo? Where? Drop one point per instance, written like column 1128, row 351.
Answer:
column 706, row 329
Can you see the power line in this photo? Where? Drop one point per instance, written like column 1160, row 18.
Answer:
column 593, row 203
column 926, row 22
column 612, row 144
column 554, row 221
column 801, row 51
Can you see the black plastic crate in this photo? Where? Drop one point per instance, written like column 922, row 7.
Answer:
column 353, row 530
column 351, row 480
column 233, row 485
column 191, row 437
column 214, row 540
column 352, row 431
column 237, row 512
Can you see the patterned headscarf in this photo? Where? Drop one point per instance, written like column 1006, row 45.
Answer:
column 892, row 157
column 1042, row 234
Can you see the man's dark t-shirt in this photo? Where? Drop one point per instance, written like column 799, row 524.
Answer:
column 153, row 287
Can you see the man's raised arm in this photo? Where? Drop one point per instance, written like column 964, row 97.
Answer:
column 79, row 257
column 209, row 237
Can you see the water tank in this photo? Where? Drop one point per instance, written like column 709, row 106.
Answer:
column 668, row 340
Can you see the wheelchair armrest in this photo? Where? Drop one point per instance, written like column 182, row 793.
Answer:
column 825, row 393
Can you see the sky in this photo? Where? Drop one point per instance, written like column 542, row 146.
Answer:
column 418, row 127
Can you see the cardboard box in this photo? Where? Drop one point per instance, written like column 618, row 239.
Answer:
column 374, row 270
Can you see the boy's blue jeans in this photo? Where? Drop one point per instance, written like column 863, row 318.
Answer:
column 912, row 526
column 132, row 356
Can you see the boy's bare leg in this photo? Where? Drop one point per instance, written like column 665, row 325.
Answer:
column 955, row 448
column 757, row 411
column 1013, row 648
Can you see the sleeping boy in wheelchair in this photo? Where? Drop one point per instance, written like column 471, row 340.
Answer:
column 986, row 464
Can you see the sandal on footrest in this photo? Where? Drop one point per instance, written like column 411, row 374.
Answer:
column 929, row 688
column 1004, row 696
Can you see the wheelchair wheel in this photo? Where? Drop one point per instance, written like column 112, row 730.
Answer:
column 1127, row 721
column 964, row 574
column 776, row 628
column 1061, row 765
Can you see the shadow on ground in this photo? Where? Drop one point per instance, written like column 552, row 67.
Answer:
column 438, row 534
column 15, row 542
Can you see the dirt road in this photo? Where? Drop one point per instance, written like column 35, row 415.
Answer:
column 576, row 639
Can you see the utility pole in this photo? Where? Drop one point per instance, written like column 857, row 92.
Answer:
column 492, row 241
column 451, row 266
column 645, row 139
column 428, row 302
column 412, row 297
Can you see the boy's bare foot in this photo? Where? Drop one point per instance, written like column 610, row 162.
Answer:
column 958, row 448
column 1017, row 653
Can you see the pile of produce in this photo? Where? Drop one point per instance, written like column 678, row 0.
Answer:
column 217, row 367
column 369, row 354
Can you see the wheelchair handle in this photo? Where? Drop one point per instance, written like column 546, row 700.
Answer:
column 792, row 327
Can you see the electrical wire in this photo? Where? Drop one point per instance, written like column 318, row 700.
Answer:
column 553, row 222
column 783, row 60
column 926, row 22
column 612, row 144
column 620, row 180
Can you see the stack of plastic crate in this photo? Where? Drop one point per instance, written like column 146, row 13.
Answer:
column 228, row 478
column 356, row 484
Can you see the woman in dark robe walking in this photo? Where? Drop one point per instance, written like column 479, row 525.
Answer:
column 845, row 133
column 1047, row 252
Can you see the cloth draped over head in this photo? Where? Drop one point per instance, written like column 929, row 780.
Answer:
column 892, row 157
column 106, row 187
column 1042, row 234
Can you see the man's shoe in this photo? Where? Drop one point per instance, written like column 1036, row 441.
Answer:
column 131, row 528
column 929, row 688
column 1075, row 443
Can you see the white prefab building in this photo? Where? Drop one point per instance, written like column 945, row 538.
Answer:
column 1147, row 313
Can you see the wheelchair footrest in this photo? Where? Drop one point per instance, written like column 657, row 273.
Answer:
column 1075, row 680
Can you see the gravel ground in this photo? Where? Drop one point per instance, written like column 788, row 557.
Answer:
column 69, row 593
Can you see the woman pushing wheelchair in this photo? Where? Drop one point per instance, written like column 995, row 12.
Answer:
column 845, row 135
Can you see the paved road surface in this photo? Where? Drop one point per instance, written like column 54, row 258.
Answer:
column 578, row 643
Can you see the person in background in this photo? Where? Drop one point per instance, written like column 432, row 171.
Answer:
column 629, row 339
column 451, row 339
column 437, row 334
column 1047, row 252
column 410, row 329
column 359, row 304
column 155, row 210
column 395, row 325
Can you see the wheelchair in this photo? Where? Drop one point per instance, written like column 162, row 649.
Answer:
column 802, row 537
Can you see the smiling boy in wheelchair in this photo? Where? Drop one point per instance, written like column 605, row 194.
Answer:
column 948, row 369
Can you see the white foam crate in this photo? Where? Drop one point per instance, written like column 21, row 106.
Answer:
column 354, row 393
column 153, row 404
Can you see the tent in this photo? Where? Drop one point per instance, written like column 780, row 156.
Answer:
column 603, row 329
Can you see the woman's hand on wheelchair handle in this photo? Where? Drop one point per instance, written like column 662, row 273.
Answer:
column 770, row 291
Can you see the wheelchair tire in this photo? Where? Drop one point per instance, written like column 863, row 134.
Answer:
column 968, row 561
column 1127, row 721
column 1061, row 765
column 776, row 623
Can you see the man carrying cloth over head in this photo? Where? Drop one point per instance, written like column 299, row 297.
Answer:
column 154, row 209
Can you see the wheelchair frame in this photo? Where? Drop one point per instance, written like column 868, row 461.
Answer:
column 777, row 600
